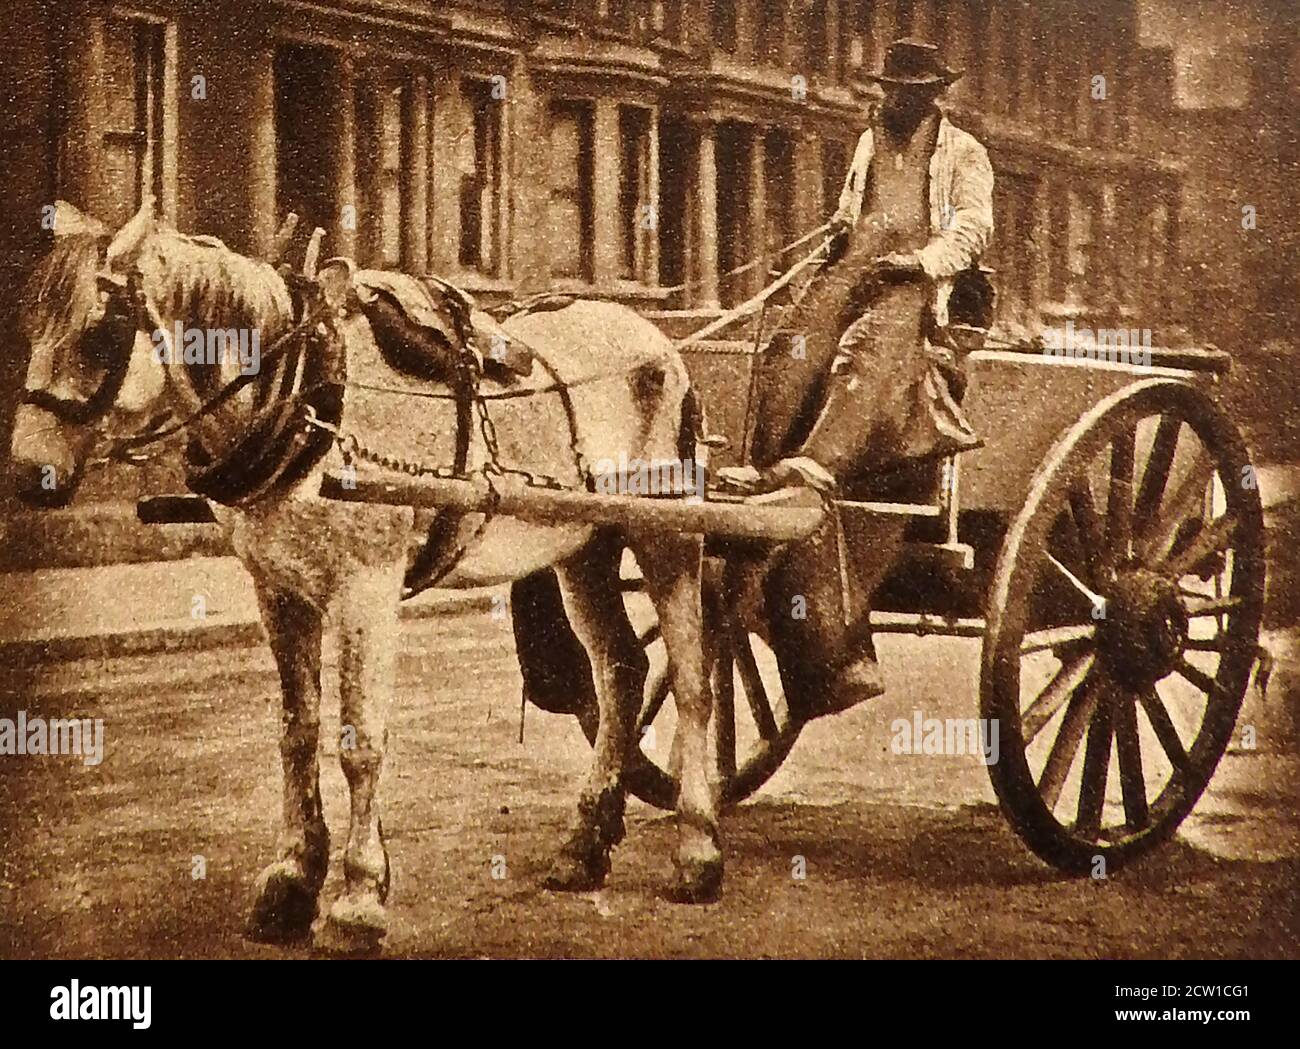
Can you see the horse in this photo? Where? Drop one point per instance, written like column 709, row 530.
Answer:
column 100, row 313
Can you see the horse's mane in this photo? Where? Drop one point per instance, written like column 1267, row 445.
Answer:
column 198, row 280
column 60, row 294
column 201, row 282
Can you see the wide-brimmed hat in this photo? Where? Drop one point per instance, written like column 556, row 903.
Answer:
column 913, row 61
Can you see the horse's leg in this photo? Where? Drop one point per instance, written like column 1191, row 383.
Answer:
column 594, row 604
column 285, row 903
column 672, row 566
column 367, row 602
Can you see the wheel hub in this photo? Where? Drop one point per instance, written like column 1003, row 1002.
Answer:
column 1144, row 629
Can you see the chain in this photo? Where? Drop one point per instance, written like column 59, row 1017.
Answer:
column 354, row 450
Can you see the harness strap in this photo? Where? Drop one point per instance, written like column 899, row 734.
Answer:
column 278, row 349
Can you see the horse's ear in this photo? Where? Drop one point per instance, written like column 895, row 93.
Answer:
column 311, row 256
column 70, row 220
column 129, row 238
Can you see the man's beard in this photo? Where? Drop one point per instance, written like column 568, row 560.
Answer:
column 902, row 120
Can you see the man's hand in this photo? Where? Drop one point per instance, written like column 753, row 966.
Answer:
column 838, row 226
column 898, row 265
column 794, row 471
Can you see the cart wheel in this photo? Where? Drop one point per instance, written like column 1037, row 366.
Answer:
column 1123, row 623
column 748, row 740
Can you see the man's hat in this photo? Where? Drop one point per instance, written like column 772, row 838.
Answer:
column 913, row 61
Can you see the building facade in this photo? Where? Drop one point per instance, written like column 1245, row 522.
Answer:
column 638, row 149
column 632, row 149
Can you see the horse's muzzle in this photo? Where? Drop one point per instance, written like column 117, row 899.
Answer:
column 44, row 467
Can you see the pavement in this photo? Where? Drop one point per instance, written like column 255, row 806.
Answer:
column 57, row 614
column 52, row 614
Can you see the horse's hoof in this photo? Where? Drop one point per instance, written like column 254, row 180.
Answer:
column 285, row 905
column 354, row 927
column 570, row 873
column 697, row 883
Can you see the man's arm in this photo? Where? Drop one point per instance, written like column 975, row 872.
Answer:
column 966, row 229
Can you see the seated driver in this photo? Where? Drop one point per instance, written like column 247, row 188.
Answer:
column 922, row 190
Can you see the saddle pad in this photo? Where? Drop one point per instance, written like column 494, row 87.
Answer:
column 450, row 314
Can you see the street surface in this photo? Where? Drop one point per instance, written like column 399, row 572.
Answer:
column 905, row 855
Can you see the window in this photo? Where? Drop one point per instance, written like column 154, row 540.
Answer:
column 1081, row 244
column 572, row 176
column 636, row 205
column 388, row 181
column 669, row 19
column 724, row 24
column 625, row 16
column 778, row 168
column 481, row 183
column 315, row 180
column 735, row 143
column 978, row 76
column 677, row 148
column 905, row 17
column 817, row 41
column 770, row 31
column 848, row 47
column 134, row 81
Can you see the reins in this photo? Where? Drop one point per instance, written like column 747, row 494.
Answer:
column 125, row 448
column 122, row 448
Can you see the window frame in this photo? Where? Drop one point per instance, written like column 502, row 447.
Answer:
column 153, row 139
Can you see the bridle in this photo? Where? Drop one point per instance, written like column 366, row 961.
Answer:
column 114, row 326
column 124, row 447
column 129, row 311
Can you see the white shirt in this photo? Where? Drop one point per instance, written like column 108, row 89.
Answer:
column 961, row 205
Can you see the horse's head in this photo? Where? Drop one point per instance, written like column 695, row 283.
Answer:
column 92, row 370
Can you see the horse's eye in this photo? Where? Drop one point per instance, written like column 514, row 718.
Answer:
column 105, row 344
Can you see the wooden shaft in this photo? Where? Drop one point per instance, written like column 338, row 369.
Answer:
column 776, row 520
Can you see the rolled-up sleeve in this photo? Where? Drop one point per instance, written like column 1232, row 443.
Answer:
column 965, row 230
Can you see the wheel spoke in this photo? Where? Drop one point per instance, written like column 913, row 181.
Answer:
column 1054, row 637
column 1188, row 499
column 1210, row 606
column 1087, row 523
column 1096, row 765
column 1132, row 782
column 1066, row 744
column 1212, row 539
column 760, row 707
column 1095, row 599
column 1119, row 500
column 1155, row 476
column 1164, row 729
column 1070, row 676
column 1197, row 677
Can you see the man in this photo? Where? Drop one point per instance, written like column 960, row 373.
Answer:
column 915, row 212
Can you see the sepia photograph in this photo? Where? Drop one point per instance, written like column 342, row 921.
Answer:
column 650, row 479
